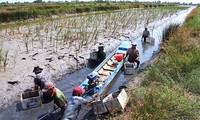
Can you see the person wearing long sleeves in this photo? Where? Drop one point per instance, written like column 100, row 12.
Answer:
column 133, row 54
column 145, row 34
column 74, row 104
column 58, row 97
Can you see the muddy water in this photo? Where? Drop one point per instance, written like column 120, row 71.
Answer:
column 14, row 112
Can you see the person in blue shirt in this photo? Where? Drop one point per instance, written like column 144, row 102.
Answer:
column 74, row 104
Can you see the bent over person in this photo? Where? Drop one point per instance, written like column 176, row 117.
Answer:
column 58, row 97
column 133, row 54
column 74, row 104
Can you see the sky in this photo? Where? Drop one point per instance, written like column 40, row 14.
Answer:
column 181, row 1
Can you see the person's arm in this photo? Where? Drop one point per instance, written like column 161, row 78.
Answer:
column 87, row 100
column 148, row 33
column 143, row 34
column 138, row 55
column 84, row 100
column 36, row 83
column 127, row 53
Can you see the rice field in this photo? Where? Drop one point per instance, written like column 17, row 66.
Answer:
column 76, row 32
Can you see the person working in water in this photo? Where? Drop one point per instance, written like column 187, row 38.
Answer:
column 58, row 97
column 133, row 54
column 41, row 77
column 145, row 34
column 75, row 102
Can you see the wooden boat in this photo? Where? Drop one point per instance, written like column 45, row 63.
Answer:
column 105, row 73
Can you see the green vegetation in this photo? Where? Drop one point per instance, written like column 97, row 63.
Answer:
column 169, row 30
column 3, row 57
column 171, row 88
column 18, row 12
column 26, row 11
column 192, row 82
column 193, row 20
column 161, row 102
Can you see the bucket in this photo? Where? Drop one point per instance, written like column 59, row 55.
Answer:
column 128, row 68
column 119, row 57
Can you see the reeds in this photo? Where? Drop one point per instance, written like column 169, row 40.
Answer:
column 86, row 29
column 83, row 29
column 3, row 58
column 26, row 43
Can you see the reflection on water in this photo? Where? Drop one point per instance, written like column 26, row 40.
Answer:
column 145, row 46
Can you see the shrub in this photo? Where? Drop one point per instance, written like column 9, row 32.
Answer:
column 154, row 75
column 160, row 102
column 193, row 81
column 169, row 30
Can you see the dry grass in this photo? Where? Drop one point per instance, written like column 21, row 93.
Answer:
column 192, row 14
